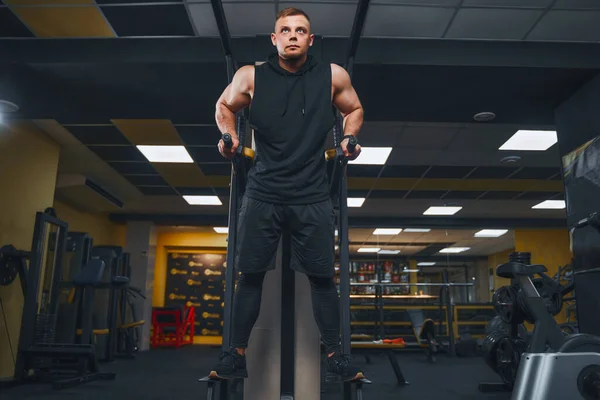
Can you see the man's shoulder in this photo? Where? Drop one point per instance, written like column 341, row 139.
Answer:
column 337, row 69
column 246, row 69
column 246, row 74
column 339, row 75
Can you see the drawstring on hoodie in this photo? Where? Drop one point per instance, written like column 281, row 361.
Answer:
column 273, row 60
column 303, row 83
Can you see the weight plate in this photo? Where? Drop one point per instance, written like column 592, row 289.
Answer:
column 9, row 266
column 496, row 325
column 489, row 348
column 581, row 343
column 504, row 303
column 508, row 357
column 550, row 291
column 588, row 382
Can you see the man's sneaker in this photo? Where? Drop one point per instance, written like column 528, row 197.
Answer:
column 339, row 364
column 231, row 365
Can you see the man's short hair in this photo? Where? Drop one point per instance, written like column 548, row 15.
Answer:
column 290, row 11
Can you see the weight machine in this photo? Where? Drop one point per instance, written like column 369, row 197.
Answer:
column 42, row 355
column 551, row 365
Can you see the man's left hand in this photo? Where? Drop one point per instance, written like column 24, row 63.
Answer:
column 350, row 156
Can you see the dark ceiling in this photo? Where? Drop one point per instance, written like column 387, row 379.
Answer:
column 421, row 69
column 185, row 93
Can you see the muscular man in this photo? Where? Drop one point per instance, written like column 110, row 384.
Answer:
column 291, row 99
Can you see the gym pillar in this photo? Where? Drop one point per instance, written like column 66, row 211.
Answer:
column 284, row 348
column 578, row 128
column 141, row 245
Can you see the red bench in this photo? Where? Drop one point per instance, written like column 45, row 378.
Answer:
column 173, row 326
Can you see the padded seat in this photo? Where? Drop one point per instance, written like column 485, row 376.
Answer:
column 513, row 269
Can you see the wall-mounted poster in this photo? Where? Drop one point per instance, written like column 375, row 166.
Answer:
column 197, row 279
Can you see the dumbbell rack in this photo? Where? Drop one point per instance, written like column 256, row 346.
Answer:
column 503, row 350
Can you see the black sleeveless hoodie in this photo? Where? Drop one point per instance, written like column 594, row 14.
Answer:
column 291, row 114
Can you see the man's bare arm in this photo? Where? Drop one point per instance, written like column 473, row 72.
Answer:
column 346, row 100
column 236, row 96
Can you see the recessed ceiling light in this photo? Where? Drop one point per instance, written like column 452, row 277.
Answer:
column 355, row 201
column 416, row 230
column 368, row 250
column 550, row 205
column 445, row 210
column 530, row 141
column 388, row 252
column 454, row 250
column 426, row 264
column 336, row 247
column 166, row 154
column 203, row 200
column 8, row 107
column 387, row 231
column 221, row 229
column 490, row 233
column 372, row 156
column 485, row 116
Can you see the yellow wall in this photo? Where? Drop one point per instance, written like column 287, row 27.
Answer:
column 188, row 240
column 549, row 247
column 28, row 169
column 98, row 226
column 496, row 259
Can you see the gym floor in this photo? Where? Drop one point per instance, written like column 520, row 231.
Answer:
column 173, row 373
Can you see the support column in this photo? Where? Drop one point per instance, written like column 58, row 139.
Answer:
column 264, row 358
column 413, row 277
column 141, row 245
column 578, row 128
column 308, row 344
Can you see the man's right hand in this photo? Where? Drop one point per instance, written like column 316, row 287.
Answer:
column 229, row 153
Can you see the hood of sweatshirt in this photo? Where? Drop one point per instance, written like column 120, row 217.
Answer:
column 311, row 62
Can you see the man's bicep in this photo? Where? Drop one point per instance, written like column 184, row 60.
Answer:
column 347, row 100
column 345, row 97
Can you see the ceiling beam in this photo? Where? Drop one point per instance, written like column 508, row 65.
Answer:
column 357, row 28
column 359, row 222
column 224, row 34
column 248, row 50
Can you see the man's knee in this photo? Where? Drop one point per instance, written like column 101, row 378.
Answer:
column 322, row 283
column 254, row 279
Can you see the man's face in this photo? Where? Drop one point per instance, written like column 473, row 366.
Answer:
column 292, row 37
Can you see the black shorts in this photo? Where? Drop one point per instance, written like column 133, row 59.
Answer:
column 312, row 231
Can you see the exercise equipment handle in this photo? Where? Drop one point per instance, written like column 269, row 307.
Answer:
column 593, row 220
column 227, row 140
column 352, row 142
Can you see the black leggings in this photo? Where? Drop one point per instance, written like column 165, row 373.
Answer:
column 246, row 308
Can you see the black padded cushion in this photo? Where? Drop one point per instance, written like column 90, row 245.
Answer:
column 90, row 274
column 514, row 269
